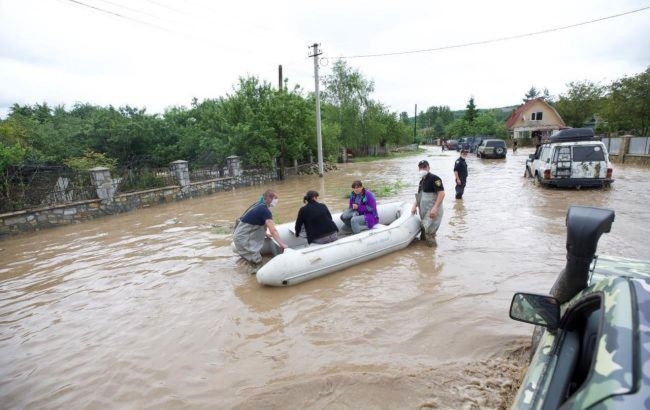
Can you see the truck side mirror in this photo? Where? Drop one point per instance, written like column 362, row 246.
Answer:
column 541, row 310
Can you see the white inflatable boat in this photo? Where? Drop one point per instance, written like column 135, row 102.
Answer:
column 396, row 230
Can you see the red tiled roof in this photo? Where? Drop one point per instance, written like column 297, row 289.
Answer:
column 516, row 114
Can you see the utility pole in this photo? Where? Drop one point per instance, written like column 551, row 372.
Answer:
column 319, row 139
column 415, row 124
column 280, row 133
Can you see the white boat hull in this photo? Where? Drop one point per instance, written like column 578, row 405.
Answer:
column 396, row 230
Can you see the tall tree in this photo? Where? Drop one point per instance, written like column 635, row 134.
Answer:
column 627, row 107
column 349, row 91
column 580, row 103
column 531, row 94
column 470, row 113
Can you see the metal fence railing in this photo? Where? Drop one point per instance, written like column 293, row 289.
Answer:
column 131, row 180
column 639, row 146
column 40, row 186
column 35, row 187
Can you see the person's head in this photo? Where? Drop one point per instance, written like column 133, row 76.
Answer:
column 423, row 167
column 270, row 197
column 464, row 152
column 357, row 187
column 310, row 196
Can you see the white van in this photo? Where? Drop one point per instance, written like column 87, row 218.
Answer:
column 571, row 158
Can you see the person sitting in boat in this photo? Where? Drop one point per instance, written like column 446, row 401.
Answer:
column 362, row 209
column 317, row 220
column 250, row 233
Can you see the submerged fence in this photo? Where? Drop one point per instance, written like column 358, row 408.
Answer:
column 55, row 197
column 628, row 149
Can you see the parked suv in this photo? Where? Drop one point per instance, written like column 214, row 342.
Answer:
column 492, row 148
column 471, row 143
column 571, row 158
column 452, row 145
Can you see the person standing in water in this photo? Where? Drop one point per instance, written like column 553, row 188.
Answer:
column 460, row 174
column 428, row 201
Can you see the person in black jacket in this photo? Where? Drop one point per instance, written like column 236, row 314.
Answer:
column 460, row 174
column 317, row 221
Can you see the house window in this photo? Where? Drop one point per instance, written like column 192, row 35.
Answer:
column 536, row 116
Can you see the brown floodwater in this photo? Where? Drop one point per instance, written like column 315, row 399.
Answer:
column 149, row 309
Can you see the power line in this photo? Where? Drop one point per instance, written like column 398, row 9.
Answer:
column 495, row 40
column 114, row 14
column 206, row 39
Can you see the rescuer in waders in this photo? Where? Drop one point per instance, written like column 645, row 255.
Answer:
column 251, row 231
column 428, row 200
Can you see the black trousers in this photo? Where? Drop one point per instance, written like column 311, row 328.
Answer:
column 460, row 189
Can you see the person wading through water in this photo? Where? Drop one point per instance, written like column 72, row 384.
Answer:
column 250, row 232
column 428, row 200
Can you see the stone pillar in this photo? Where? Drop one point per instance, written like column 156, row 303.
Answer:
column 234, row 167
column 624, row 147
column 181, row 172
column 103, row 183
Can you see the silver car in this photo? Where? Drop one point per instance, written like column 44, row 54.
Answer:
column 492, row 148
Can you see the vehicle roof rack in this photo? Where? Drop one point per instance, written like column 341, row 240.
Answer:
column 574, row 134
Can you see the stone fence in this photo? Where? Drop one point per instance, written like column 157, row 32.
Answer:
column 110, row 202
column 628, row 149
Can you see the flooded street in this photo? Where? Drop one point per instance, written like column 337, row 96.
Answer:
column 149, row 309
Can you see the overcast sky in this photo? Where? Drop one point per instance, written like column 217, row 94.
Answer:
column 157, row 54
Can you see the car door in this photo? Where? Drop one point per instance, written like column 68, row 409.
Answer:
column 541, row 162
column 590, row 358
column 588, row 161
column 610, row 371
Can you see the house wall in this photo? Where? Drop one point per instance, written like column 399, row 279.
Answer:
column 525, row 125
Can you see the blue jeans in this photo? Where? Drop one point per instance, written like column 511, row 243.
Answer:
column 357, row 222
column 353, row 220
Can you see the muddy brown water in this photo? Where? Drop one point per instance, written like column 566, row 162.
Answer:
column 149, row 309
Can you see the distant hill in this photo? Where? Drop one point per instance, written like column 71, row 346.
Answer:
column 501, row 113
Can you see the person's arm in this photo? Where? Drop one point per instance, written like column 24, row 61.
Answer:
column 370, row 206
column 414, row 208
column 274, row 233
column 299, row 222
column 457, row 178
